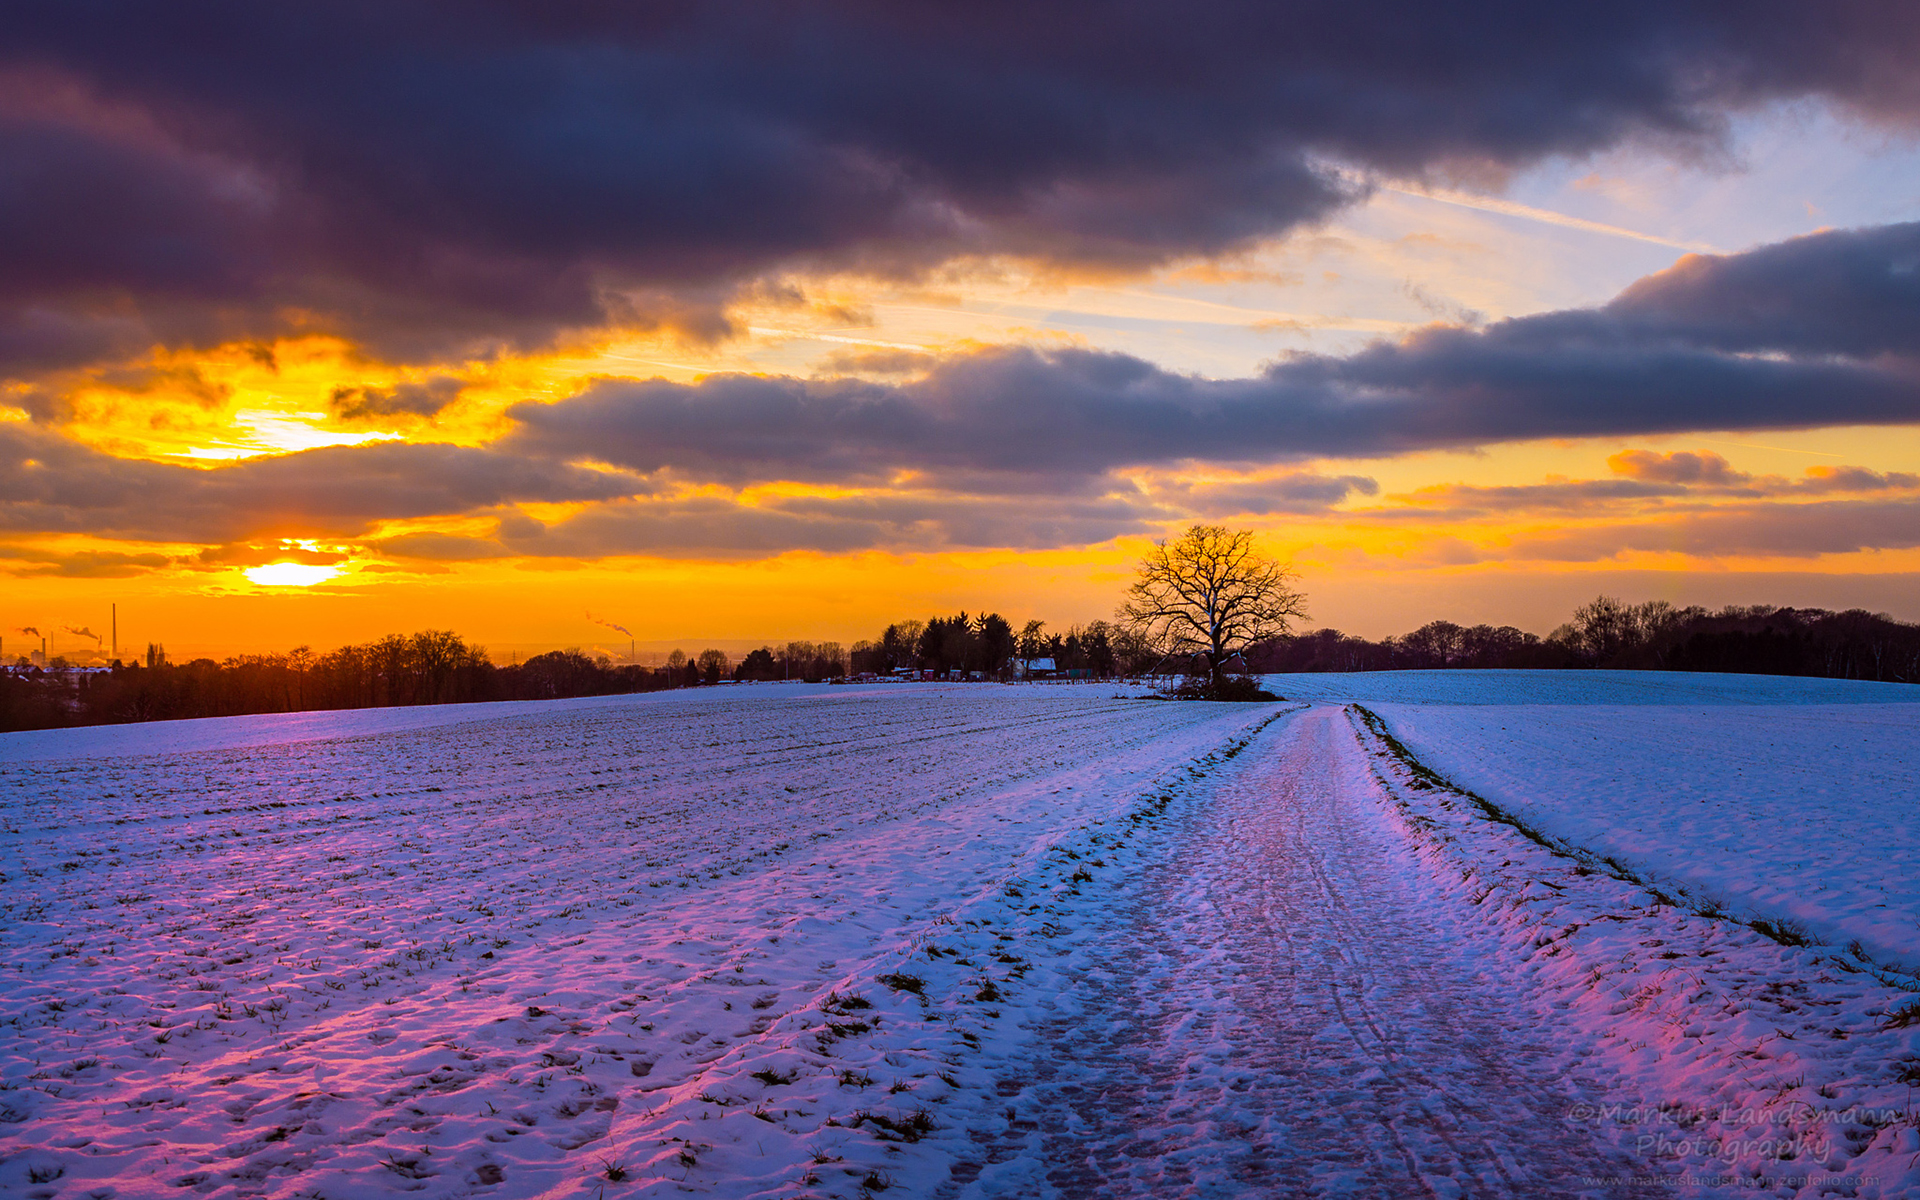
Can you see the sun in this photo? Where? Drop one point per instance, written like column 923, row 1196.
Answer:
column 290, row 574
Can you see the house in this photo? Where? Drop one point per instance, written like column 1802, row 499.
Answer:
column 1037, row 668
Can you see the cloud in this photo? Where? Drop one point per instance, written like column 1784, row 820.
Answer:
column 367, row 405
column 1469, row 502
column 1691, row 503
column 1299, row 493
column 1856, row 479
column 1772, row 530
column 1680, row 466
column 1706, row 469
column 1853, row 292
column 49, row 484
column 81, row 564
column 1655, row 484
column 723, row 527
column 1015, row 446
column 1648, row 362
column 877, row 362
column 430, row 181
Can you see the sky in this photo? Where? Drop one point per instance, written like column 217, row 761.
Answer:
column 708, row 325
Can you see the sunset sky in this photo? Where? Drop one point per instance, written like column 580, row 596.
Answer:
column 723, row 323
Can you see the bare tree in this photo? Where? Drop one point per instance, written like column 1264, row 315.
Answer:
column 1209, row 592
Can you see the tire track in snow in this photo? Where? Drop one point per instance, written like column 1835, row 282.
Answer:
column 1276, row 1007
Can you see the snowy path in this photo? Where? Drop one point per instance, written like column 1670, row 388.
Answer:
column 1275, row 1008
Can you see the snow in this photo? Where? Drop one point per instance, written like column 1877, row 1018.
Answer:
column 1784, row 798
column 1725, row 1063
column 1279, row 1010
column 521, row 948
column 967, row 941
column 275, row 729
column 1658, row 688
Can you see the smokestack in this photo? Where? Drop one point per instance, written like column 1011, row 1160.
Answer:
column 116, row 631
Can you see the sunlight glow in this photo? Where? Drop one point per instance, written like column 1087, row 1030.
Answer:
column 288, row 574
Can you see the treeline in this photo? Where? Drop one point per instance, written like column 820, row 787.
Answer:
column 987, row 647
column 438, row 667
column 984, row 646
column 810, row 662
column 1608, row 633
column 430, row 667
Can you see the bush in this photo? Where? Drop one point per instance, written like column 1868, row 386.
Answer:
column 1238, row 689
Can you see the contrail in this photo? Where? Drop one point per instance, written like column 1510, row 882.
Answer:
column 1509, row 208
column 767, row 331
column 609, row 624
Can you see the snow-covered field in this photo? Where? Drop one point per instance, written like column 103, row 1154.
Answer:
column 1726, row 1063
column 525, row 947
column 1787, row 799
column 925, row 940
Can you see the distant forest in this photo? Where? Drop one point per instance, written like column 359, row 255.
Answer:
column 431, row 667
column 1655, row 636
column 438, row 667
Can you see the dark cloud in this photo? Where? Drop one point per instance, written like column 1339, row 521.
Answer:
column 427, row 177
column 1633, row 366
column 49, row 484
column 1680, row 466
column 1682, row 481
column 1706, row 469
column 373, row 406
column 1301, row 492
column 1854, row 292
column 82, row 564
column 441, row 547
column 1856, row 479
column 720, row 527
column 1021, row 447
column 1471, row 502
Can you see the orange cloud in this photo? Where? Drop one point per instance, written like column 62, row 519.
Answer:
column 1680, row 466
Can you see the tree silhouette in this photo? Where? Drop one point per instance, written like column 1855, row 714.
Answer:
column 1210, row 593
